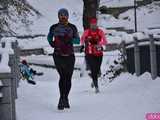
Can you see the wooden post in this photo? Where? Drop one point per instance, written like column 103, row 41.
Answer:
column 6, row 104
column 137, row 57
column 17, row 61
column 124, row 53
column 135, row 15
column 3, row 44
column 17, row 51
column 13, row 72
column 153, row 57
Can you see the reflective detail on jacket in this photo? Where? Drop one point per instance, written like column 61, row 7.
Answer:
column 93, row 41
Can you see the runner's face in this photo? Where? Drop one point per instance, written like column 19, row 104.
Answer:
column 63, row 18
column 93, row 26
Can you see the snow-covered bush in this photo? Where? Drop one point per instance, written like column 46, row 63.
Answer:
column 116, row 68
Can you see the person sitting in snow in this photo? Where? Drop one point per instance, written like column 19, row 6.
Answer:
column 27, row 72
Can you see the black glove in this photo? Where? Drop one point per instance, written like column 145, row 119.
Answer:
column 99, row 47
column 81, row 48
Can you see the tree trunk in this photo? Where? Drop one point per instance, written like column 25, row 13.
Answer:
column 89, row 11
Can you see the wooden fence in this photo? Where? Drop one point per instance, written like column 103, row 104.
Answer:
column 143, row 55
column 9, row 80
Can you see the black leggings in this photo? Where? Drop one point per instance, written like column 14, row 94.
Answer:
column 94, row 63
column 65, row 67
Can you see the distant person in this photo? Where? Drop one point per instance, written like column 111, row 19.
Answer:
column 27, row 72
column 61, row 37
column 93, row 40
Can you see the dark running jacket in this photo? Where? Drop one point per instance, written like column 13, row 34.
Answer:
column 62, row 37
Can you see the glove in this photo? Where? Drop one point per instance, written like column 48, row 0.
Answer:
column 81, row 48
column 99, row 47
column 52, row 45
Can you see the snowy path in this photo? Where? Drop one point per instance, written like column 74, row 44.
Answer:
column 126, row 98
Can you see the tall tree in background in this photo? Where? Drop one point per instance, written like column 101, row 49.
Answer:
column 89, row 11
column 14, row 11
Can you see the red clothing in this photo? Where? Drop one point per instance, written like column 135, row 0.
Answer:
column 93, row 41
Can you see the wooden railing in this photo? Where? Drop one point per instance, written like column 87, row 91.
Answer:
column 9, row 79
column 136, row 48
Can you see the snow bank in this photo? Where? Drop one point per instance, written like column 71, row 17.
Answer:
column 4, row 68
column 154, row 32
column 140, row 35
column 48, row 60
column 9, row 51
column 108, row 21
column 8, row 45
column 39, row 59
column 147, row 17
column 49, row 10
column 38, row 42
column 8, row 39
column 116, row 3
column 5, row 52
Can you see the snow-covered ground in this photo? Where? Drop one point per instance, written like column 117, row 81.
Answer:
column 127, row 98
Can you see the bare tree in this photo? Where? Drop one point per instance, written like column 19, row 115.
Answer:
column 89, row 11
column 13, row 11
